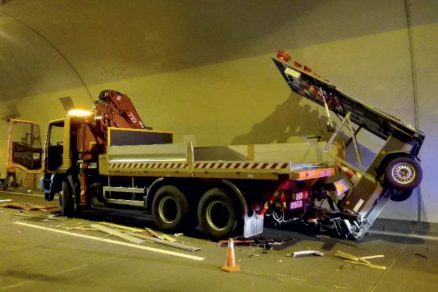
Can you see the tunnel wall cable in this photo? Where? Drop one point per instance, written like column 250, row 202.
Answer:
column 414, row 87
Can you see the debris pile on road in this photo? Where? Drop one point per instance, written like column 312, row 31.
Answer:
column 139, row 236
column 360, row 260
column 26, row 207
column 258, row 242
column 304, row 253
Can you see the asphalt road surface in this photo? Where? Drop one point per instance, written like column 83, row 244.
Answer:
column 43, row 251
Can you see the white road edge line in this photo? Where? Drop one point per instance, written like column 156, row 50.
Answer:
column 151, row 249
column 425, row 237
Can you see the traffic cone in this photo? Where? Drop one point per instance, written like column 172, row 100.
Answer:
column 230, row 264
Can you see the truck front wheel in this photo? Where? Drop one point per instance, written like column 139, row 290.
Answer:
column 170, row 208
column 68, row 206
column 403, row 173
column 216, row 214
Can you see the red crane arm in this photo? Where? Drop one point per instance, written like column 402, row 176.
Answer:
column 115, row 109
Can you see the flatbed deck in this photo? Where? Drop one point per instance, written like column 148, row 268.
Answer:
column 181, row 162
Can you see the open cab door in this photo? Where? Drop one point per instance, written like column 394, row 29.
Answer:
column 24, row 150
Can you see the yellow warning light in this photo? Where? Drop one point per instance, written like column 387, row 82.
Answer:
column 78, row 113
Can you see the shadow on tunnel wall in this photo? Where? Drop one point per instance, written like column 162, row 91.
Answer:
column 289, row 119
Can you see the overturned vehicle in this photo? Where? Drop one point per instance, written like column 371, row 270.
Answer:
column 357, row 195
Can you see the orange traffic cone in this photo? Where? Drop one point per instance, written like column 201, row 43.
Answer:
column 230, row 264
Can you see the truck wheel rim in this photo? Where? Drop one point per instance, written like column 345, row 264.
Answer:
column 403, row 173
column 218, row 215
column 168, row 209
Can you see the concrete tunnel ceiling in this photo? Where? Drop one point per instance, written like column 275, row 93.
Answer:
column 54, row 45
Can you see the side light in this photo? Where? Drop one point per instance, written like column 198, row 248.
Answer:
column 283, row 55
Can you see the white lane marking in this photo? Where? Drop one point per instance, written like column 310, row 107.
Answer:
column 151, row 249
column 434, row 238
column 19, row 193
column 16, row 285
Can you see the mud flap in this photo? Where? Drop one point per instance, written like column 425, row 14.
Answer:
column 252, row 225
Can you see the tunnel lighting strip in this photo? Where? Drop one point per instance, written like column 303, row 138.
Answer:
column 151, row 249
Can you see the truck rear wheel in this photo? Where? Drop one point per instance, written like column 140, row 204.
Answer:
column 170, row 208
column 216, row 214
column 68, row 206
column 403, row 173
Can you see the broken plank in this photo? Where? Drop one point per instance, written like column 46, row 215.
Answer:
column 165, row 242
column 160, row 236
column 379, row 267
column 373, row 257
column 26, row 206
column 350, row 257
column 133, row 229
column 85, row 228
column 168, row 238
column 153, row 233
column 117, row 233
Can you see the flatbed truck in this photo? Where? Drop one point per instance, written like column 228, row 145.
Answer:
column 109, row 158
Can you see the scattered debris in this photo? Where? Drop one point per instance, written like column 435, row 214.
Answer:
column 80, row 227
column 221, row 243
column 40, row 217
column 140, row 230
column 54, row 215
column 117, row 233
column 373, row 257
column 253, row 255
column 370, row 265
column 305, row 253
column 359, row 260
column 132, row 229
column 421, row 255
column 269, row 244
column 263, row 243
column 135, row 235
column 27, row 207
column 168, row 238
column 153, row 233
column 5, row 200
column 164, row 242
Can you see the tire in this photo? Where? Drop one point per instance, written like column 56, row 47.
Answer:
column 399, row 196
column 217, row 214
column 170, row 208
column 66, row 200
column 403, row 173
